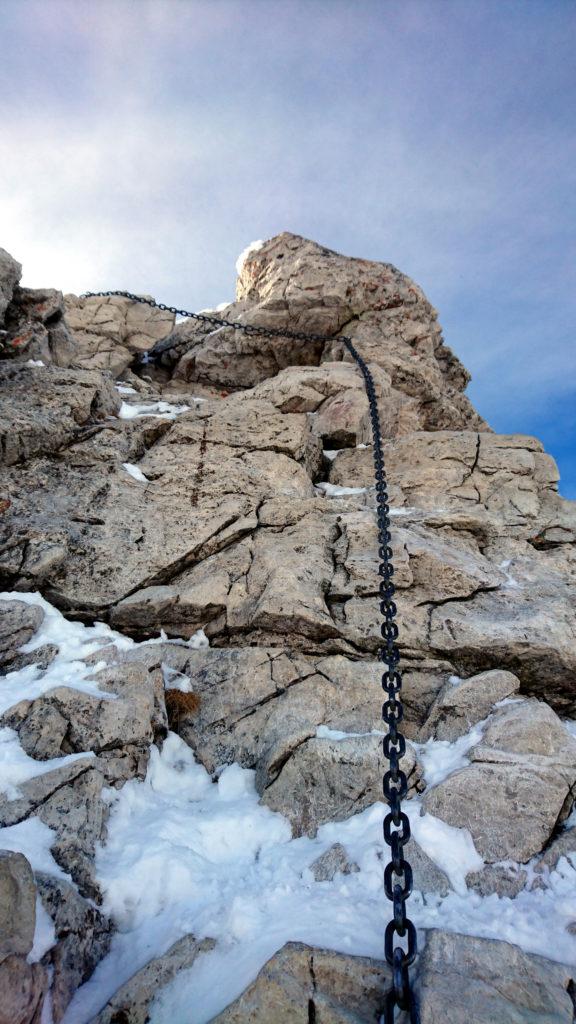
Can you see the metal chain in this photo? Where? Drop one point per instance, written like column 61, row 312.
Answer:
column 398, row 873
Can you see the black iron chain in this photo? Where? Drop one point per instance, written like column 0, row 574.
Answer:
column 398, row 873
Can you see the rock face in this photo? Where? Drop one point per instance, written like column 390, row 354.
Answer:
column 301, row 984
column 227, row 486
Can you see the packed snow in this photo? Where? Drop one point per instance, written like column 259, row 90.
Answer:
column 332, row 491
column 75, row 643
column 135, row 472
column 162, row 410
column 440, row 758
column 187, row 853
column 125, row 389
column 253, row 247
column 17, row 767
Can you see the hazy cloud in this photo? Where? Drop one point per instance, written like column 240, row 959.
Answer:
column 146, row 143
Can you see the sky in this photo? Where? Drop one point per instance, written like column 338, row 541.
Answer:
column 145, row 143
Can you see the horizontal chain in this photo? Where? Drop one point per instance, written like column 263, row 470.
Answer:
column 396, row 827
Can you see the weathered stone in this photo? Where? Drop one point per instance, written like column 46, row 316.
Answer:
column 506, row 879
column 10, row 272
column 130, row 1003
column 333, row 861
column 302, row 983
column 510, row 809
column 483, row 981
column 36, row 791
column 427, row 876
column 460, row 706
column 108, row 332
column 83, row 939
column 23, row 986
column 18, row 624
column 65, row 721
column 17, row 905
column 45, row 408
column 329, row 780
column 78, row 816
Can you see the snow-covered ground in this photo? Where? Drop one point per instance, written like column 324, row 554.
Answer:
column 187, row 854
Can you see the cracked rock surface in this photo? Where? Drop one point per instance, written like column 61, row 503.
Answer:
column 226, row 486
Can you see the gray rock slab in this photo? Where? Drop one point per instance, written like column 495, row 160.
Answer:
column 302, row 983
column 481, row 981
column 17, row 905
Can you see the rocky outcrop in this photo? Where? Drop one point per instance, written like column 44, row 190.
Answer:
column 227, row 487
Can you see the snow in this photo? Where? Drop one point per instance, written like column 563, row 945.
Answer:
column 135, row 472
column 570, row 725
column 332, row 491
column 188, row 855
column 253, row 247
column 402, row 511
column 323, row 732
column 198, row 640
column 17, row 767
column 454, row 680
column 451, row 849
column 162, row 410
column 33, row 838
column 34, row 362
column 332, row 453
column 125, row 389
column 75, row 643
column 44, row 934
column 440, row 758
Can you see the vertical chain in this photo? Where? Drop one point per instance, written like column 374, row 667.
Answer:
column 397, row 873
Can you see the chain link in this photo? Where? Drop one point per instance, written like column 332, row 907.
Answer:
column 396, row 827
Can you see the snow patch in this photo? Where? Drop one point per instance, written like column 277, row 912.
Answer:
column 332, row 491
column 162, row 410
column 125, row 389
column 44, row 934
column 451, row 849
column 135, row 472
column 34, row 362
column 440, row 758
column 75, row 643
column 17, row 767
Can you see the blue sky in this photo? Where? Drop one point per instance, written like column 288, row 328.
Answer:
column 146, row 143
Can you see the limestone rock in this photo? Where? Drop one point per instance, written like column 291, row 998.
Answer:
column 332, row 861
column 36, row 328
column 17, row 905
column 483, row 981
column 45, row 408
column 10, row 272
column 130, row 1003
column 108, row 332
column 301, row 983
column 510, row 809
column 18, row 624
column 36, row 791
column 78, row 816
column 517, row 788
column 65, row 721
column 83, row 939
column 460, row 706
column 329, row 780
column 23, row 986
column 428, row 877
